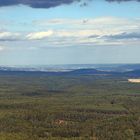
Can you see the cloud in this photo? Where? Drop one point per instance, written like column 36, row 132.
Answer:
column 101, row 31
column 1, row 48
column 39, row 35
column 49, row 3
column 121, row 0
column 89, row 23
column 61, row 34
column 90, row 27
column 124, row 35
column 9, row 36
column 93, row 36
column 37, row 3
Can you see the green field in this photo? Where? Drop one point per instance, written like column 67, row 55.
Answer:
column 45, row 107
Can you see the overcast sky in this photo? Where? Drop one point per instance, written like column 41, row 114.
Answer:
column 44, row 32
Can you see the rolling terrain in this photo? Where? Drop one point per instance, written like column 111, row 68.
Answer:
column 80, row 104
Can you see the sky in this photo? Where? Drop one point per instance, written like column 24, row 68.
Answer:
column 50, row 32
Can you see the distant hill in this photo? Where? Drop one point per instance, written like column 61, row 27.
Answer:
column 72, row 72
column 118, row 70
column 90, row 72
column 135, row 73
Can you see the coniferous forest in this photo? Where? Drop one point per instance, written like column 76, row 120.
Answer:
column 86, row 107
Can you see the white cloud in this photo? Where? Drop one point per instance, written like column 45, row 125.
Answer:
column 90, row 22
column 1, row 48
column 91, row 26
column 78, row 32
column 39, row 35
column 8, row 34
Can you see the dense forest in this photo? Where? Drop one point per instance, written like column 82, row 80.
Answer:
column 41, row 107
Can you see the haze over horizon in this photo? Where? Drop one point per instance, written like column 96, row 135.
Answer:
column 46, row 32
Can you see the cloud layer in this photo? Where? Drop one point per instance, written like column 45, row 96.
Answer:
column 125, row 35
column 1, row 48
column 39, row 35
column 37, row 3
column 9, row 36
column 103, row 31
column 48, row 3
column 122, row 0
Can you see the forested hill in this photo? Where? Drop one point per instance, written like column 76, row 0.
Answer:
column 134, row 73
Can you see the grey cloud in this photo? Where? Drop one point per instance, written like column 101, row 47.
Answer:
column 124, row 36
column 9, row 39
column 93, row 36
column 121, row 0
column 49, row 3
column 37, row 3
column 9, row 36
